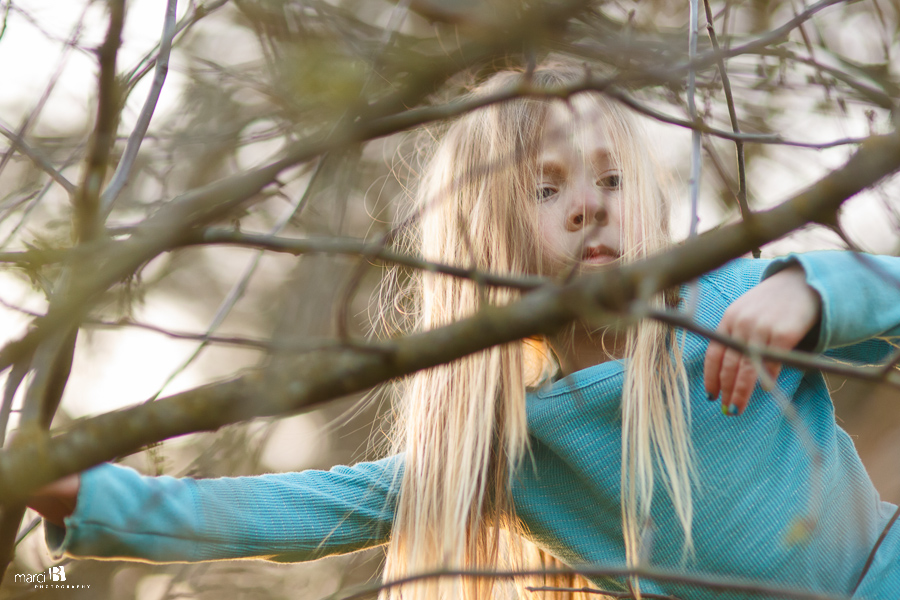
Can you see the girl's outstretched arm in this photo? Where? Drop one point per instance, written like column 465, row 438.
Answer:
column 777, row 313
column 284, row 517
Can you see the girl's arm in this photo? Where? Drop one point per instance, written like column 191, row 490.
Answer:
column 284, row 517
column 840, row 298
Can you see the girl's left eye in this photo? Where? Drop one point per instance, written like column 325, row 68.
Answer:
column 612, row 181
column 545, row 192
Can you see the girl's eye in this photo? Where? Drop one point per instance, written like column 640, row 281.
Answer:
column 545, row 192
column 612, row 182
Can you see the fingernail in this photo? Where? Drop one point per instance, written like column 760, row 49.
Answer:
column 711, row 397
column 725, row 409
column 730, row 410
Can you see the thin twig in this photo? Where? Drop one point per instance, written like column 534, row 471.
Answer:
column 123, row 170
column 28, row 529
column 132, row 77
column 5, row 19
column 51, row 85
column 355, row 247
column 39, row 161
column 698, row 126
column 779, row 33
column 238, row 289
column 702, row 581
column 800, row 360
column 11, row 386
column 692, row 112
column 732, row 114
column 86, row 201
column 588, row 590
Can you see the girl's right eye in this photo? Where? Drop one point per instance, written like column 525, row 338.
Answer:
column 545, row 192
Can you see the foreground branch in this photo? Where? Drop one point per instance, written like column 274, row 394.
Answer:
column 699, row 581
column 38, row 459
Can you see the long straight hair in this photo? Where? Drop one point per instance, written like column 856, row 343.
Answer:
column 462, row 426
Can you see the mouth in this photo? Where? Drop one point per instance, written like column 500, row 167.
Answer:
column 599, row 255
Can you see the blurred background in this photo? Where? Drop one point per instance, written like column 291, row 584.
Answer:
column 248, row 76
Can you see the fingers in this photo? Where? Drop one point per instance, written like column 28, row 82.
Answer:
column 731, row 374
column 738, row 389
column 777, row 313
column 712, row 366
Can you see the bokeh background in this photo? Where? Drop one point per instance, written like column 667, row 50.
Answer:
column 247, row 76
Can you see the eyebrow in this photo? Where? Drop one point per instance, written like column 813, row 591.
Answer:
column 551, row 168
column 600, row 158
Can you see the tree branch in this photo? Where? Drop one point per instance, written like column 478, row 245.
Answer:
column 123, row 170
column 701, row 581
column 331, row 374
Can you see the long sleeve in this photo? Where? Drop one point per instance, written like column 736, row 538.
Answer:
column 283, row 517
column 860, row 300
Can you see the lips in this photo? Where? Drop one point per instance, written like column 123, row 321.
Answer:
column 599, row 254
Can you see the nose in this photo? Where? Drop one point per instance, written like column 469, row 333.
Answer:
column 587, row 207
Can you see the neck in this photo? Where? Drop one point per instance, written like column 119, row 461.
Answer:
column 582, row 348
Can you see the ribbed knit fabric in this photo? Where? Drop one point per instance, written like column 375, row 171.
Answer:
column 763, row 511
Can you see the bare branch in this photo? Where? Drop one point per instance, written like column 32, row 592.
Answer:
column 327, row 375
column 120, row 177
column 87, row 200
column 587, row 590
column 700, row 581
column 39, row 161
column 732, row 114
column 354, row 247
column 800, row 360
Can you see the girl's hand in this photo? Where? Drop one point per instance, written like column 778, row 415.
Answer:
column 56, row 500
column 777, row 313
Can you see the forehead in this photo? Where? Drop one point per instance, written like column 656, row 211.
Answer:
column 578, row 126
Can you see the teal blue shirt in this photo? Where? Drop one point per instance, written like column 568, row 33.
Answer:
column 762, row 511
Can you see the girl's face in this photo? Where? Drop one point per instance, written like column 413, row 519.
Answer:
column 578, row 196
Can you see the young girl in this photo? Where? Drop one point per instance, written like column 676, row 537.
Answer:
column 597, row 445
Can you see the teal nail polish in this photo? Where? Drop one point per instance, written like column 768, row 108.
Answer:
column 732, row 410
column 711, row 397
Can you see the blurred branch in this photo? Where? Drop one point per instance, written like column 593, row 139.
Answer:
column 52, row 359
column 330, row 374
column 767, row 39
column 120, row 177
column 5, row 19
column 877, row 97
column 176, row 219
column 148, row 62
column 702, row 581
column 756, row 138
column 800, row 360
column 587, row 590
column 732, row 114
column 34, row 114
column 354, row 247
column 693, row 26
column 87, row 200
column 39, row 161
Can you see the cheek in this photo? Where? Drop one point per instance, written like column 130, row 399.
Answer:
column 553, row 254
column 550, row 237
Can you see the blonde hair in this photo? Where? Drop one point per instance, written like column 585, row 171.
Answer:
column 462, row 426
